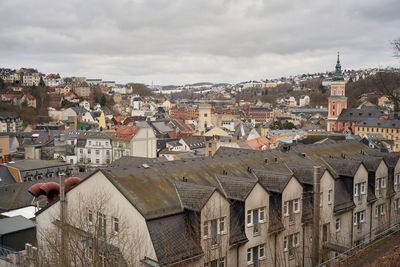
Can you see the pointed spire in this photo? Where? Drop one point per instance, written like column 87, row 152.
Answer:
column 338, row 76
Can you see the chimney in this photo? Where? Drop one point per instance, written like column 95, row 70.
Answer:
column 42, row 140
column 32, row 139
column 48, row 138
column 316, row 215
column 238, row 137
column 20, row 140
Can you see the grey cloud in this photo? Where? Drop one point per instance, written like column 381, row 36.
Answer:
column 187, row 41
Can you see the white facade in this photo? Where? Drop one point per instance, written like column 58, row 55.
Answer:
column 95, row 152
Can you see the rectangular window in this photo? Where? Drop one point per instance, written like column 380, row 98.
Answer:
column 89, row 151
column 262, row 214
column 222, row 225
column 261, row 250
column 362, row 188
column 97, row 152
column 90, row 216
column 330, row 197
column 101, row 218
column 249, row 256
column 205, row 229
column 296, row 208
column 97, row 161
column 337, row 224
column 286, row 208
column 115, row 226
column 249, row 216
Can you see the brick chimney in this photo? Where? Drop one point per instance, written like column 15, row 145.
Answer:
column 42, row 140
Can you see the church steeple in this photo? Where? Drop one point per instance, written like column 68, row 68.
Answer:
column 338, row 76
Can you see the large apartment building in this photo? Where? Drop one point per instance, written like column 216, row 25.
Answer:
column 238, row 208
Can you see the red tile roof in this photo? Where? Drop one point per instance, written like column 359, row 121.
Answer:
column 125, row 133
column 258, row 143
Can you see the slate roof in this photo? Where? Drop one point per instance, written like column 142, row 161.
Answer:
column 15, row 224
column 5, row 176
column 193, row 196
column 195, row 142
column 376, row 122
column 370, row 162
column 33, row 164
column 343, row 167
column 172, row 239
column 273, row 181
column 237, row 188
column 354, row 114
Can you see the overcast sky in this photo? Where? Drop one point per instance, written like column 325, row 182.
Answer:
column 186, row 41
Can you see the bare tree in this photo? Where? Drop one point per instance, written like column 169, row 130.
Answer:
column 396, row 47
column 92, row 236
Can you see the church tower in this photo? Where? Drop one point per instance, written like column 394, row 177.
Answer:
column 337, row 101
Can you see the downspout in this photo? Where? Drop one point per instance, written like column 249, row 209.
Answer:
column 303, row 243
column 370, row 224
column 237, row 256
column 352, row 227
column 275, row 249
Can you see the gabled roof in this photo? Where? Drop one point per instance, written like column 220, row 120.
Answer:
column 193, row 196
column 273, row 181
column 234, row 187
column 343, row 167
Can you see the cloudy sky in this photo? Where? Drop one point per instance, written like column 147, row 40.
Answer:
column 186, row 41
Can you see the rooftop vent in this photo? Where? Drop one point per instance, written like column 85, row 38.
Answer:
column 249, row 169
column 146, row 166
column 266, row 160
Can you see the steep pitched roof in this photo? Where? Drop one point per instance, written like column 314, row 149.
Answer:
column 343, row 167
column 185, row 245
column 193, row 196
column 273, row 181
column 237, row 188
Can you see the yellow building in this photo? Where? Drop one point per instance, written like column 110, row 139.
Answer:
column 389, row 129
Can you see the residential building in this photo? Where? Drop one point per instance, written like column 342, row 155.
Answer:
column 10, row 122
column 138, row 141
column 93, row 149
column 260, row 114
column 82, row 90
column 52, row 80
column 29, row 77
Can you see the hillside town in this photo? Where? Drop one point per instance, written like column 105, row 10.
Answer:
column 258, row 173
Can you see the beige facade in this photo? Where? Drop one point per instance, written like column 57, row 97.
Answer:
column 4, row 146
column 204, row 118
column 82, row 91
column 86, row 196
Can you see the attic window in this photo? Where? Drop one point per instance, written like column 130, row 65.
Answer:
column 276, row 159
column 303, row 155
column 266, row 160
column 249, row 169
